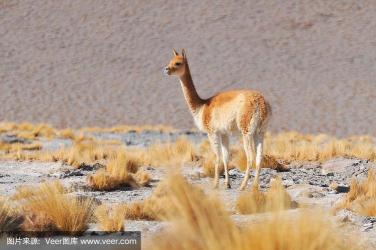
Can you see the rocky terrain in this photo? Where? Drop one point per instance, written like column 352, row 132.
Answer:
column 308, row 184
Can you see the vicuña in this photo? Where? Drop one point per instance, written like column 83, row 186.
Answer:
column 244, row 111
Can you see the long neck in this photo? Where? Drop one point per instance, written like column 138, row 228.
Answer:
column 194, row 101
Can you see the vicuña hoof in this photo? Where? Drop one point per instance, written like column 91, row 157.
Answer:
column 228, row 185
column 242, row 187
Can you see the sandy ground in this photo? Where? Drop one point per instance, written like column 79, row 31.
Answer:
column 307, row 184
column 95, row 63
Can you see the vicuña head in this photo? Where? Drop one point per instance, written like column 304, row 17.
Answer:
column 243, row 111
column 177, row 64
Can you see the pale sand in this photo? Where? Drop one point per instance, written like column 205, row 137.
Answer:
column 99, row 63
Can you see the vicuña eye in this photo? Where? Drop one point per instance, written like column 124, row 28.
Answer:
column 178, row 63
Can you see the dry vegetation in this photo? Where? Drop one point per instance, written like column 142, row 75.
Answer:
column 121, row 170
column 362, row 196
column 87, row 151
column 200, row 222
column 130, row 128
column 292, row 146
column 10, row 219
column 154, row 207
column 83, row 151
column 169, row 154
column 110, row 219
column 280, row 148
column 49, row 207
column 255, row 201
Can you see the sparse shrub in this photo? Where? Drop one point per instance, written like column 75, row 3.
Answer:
column 30, row 131
column 87, row 151
column 199, row 221
column 292, row 146
column 362, row 196
column 129, row 128
column 167, row 154
column 49, row 206
column 121, row 170
column 67, row 134
column 10, row 219
column 110, row 219
column 154, row 207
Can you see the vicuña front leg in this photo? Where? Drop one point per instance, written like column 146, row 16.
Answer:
column 259, row 151
column 226, row 158
column 248, row 144
column 215, row 142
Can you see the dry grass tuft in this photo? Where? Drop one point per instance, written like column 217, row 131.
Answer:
column 255, row 201
column 48, row 206
column 28, row 130
column 155, row 207
column 121, row 170
column 292, row 146
column 67, row 134
column 199, row 221
column 10, row 219
column 87, row 151
column 110, row 219
column 19, row 151
column 167, row 154
column 280, row 148
column 130, row 128
column 362, row 196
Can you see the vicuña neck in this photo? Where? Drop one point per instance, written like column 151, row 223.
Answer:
column 194, row 101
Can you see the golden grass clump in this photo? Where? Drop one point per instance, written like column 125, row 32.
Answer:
column 166, row 154
column 200, row 221
column 67, row 134
column 121, row 170
column 110, row 219
column 255, row 201
column 292, row 146
column 32, row 131
column 88, row 151
column 19, row 151
column 10, row 219
column 281, row 148
column 362, row 196
column 129, row 128
column 154, row 207
column 28, row 130
column 48, row 206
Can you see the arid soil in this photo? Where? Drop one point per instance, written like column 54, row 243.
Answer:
column 307, row 184
column 99, row 63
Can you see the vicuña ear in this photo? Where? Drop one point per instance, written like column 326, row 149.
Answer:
column 175, row 53
column 183, row 53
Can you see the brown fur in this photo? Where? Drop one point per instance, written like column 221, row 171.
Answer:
column 246, row 109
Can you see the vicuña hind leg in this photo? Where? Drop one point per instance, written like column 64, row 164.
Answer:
column 259, row 150
column 215, row 142
column 248, row 143
column 226, row 158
